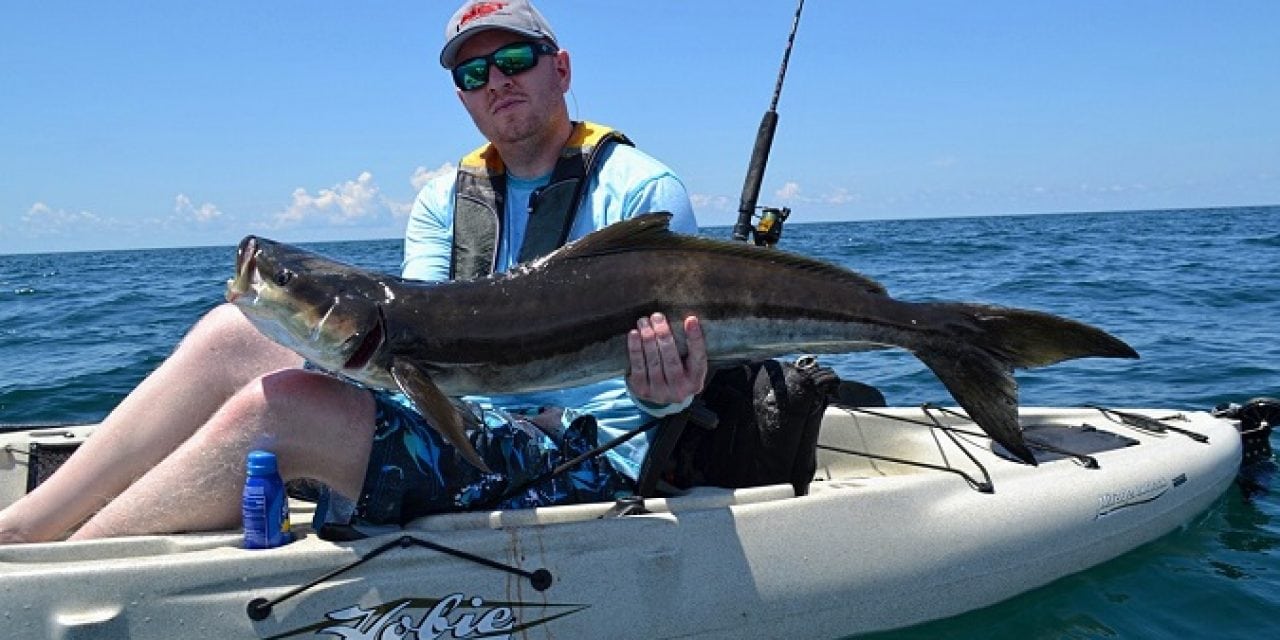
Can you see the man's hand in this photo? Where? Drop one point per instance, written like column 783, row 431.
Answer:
column 658, row 375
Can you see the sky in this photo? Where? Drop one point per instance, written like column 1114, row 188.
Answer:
column 167, row 124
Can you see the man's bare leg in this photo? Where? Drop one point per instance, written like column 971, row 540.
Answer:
column 221, row 354
column 318, row 426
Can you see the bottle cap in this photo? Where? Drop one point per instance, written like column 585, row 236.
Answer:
column 261, row 462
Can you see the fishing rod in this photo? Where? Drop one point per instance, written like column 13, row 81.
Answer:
column 769, row 229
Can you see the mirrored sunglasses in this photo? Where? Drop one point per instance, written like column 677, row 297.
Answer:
column 511, row 59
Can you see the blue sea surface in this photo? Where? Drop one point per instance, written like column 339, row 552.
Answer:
column 1195, row 291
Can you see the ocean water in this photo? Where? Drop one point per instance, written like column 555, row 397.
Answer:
column 1196, row 292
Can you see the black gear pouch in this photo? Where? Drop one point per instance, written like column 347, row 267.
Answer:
column 768, row 415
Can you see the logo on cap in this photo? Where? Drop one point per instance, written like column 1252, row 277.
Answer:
column 480, row 10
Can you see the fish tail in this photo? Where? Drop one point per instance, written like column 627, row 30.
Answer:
column 985, row 344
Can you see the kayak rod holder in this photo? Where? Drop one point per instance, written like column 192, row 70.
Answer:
column 259, row 608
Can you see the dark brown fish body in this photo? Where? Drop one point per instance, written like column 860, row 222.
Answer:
column 562, row 320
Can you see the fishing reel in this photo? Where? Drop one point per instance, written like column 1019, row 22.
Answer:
column 768, row 230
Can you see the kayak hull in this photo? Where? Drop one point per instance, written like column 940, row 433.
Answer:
column 876, row 544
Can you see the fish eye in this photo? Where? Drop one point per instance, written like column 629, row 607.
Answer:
column 283, row 277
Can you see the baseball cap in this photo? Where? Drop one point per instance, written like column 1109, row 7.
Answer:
column 475, row 16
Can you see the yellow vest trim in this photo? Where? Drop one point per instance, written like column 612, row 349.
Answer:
column 485, row 158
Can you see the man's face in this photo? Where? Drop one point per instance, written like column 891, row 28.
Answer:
column 515, row 108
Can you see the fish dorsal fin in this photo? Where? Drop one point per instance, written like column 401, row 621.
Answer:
column 645, row 231
column 652, row 231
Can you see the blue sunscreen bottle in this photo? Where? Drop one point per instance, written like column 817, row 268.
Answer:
column 265, row 505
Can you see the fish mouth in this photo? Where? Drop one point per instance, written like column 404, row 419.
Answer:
column 246, row 262
column 369, row 344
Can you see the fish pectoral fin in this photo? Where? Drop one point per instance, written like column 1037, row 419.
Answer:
column 436, row 407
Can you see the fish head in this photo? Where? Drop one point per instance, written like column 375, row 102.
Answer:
column 328, row 312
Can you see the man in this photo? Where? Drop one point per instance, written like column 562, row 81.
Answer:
column 171, row 456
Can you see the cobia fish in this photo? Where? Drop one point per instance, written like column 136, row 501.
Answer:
column 562, row 320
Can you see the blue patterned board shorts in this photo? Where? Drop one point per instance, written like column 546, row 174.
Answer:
column 414, row 472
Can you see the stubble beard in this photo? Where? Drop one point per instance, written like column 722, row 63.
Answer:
column 525, row 131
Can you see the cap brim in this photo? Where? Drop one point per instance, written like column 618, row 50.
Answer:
column 449, row 54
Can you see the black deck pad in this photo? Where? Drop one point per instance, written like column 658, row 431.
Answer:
column 1080, row 440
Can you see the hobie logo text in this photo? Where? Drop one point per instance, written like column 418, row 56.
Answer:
column 452, row 617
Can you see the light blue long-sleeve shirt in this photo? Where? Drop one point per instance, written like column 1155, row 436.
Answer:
column 628, row 182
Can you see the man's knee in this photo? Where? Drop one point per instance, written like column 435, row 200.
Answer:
column 225, row 332
column 225, row 317
column 305, row 403
column 321, row 425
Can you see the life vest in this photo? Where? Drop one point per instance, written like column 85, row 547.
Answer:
column 481, row 189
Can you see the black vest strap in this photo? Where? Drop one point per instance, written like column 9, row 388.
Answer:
column 552, row 208
column 550, row 216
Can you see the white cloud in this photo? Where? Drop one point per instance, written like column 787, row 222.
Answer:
column 703, row 201
column 41, row 219
column 187, row 211
column 344, row 204
column 422, row 175
column 791, row 193
column 839, row 195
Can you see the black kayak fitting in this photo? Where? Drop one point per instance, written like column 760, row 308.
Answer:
column 1257, row 418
